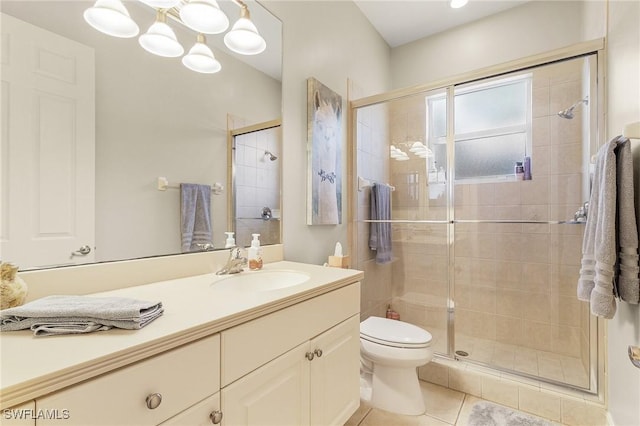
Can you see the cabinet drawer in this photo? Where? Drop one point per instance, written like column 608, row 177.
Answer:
column 250, row 345
column 181, row 376
column 198, row 415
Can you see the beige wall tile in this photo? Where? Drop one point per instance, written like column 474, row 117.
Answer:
column 539, row 403
column 434, row 372
column 580, row 413
column 541, row 133
column 465, row 381
column 538, row 335
column 442, row 403
column 500, row 391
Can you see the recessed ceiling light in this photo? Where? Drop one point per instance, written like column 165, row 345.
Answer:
column 457, row 4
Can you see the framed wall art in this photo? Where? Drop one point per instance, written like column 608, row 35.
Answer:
column 324, row 146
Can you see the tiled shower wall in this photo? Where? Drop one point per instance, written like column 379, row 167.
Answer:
column 514, row 283
column 372, row 164
column 257, row 181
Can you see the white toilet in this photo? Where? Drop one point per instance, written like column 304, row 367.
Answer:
column 390, row 352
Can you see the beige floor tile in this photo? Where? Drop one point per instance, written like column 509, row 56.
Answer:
column 359, row 415
column 378, row 417
column 442, row 403
column 463, row 418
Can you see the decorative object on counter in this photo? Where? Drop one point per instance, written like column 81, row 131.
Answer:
column 13, row 290
column 195, row 215
column 53, row 315
column 338, row 260
column 255, row 253
column 324, row 142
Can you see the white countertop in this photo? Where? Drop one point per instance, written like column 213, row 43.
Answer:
column 193, row 308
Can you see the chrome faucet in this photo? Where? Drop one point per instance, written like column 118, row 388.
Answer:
column 235, row 263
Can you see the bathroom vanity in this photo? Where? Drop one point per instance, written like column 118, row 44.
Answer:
column 277, row 346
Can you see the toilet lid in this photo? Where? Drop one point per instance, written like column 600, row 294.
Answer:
column 394, row 333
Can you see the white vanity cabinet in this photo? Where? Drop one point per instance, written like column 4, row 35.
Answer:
column 296, row 366
column 145, row 393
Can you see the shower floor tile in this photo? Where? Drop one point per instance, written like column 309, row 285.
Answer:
column 521, row 359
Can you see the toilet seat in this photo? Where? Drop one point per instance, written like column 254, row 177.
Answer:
column 394, row 333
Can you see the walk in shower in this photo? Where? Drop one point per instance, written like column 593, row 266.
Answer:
column 483, row 258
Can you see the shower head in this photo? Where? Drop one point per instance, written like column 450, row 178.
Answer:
column 568, row 113
column 271, row 156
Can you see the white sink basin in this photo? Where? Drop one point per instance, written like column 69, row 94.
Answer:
column 250, row 281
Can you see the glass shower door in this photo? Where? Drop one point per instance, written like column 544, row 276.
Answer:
column 517, row 254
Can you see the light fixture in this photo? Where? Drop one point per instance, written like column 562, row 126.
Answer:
column 112, row 18
column 244, row 37
column 457, row 4
column 160, row 38
column 204, row 16
column 200, row 58
column 161, row 4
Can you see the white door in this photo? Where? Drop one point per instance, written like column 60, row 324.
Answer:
column 335, row 374
column 276, row 394
column 48, row 147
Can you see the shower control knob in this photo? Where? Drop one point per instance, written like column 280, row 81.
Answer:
column 215, row 417
column 153, row 401
column 318, row 352
column 310, row 356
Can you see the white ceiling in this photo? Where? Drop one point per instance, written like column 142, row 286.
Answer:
column 403, row 21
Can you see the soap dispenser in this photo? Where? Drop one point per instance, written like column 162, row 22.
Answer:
column 255, row 253
column 230, row 241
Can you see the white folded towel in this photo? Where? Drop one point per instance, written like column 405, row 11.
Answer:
column 53, row 315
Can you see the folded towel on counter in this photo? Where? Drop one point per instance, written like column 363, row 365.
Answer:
column 609, row 266
column 53, row 315
column 380, row 232
column 195, row 216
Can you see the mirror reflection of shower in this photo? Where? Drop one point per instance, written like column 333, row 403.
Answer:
column 270, row 155
column 569, row 112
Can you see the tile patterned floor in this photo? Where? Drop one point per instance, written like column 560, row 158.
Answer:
column 444, row 407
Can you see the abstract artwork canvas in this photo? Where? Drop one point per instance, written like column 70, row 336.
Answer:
column 324, row 145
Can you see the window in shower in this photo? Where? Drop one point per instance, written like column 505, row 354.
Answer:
column 492, row 127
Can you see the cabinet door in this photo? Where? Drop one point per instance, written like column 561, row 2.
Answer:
column 276, row 394
column 335, row 374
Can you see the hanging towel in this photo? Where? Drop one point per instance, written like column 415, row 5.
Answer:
column 195, row 216
column 54, row 315
column 380, row 233
column 609, row 265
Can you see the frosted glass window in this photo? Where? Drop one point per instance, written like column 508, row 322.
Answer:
column 492, row 122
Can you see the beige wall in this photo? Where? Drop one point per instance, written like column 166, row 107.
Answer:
column 331, row 41
column 535, row 27
column 623, row 98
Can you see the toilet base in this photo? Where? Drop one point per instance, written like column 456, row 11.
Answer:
column 397, row 390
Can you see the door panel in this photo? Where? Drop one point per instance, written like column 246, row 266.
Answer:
column 48, row 147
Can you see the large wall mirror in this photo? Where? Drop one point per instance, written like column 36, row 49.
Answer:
column 148, row 117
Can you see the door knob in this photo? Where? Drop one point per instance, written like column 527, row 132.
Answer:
column 82, row 251
column 318, row 352
column 309, row 356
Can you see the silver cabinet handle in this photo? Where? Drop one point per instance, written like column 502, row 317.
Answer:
column 309, row 356
column 153, row 400
column 318, row 352
column 82, row 251
column 216, row 417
